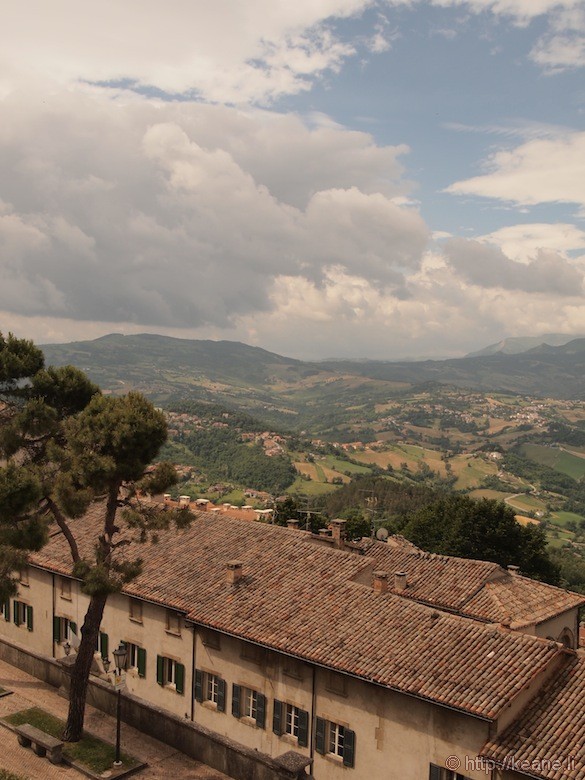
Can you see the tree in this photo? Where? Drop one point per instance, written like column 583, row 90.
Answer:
column 67, row 447
column 486, row 530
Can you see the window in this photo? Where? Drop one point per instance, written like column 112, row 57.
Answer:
column 333, row 739
column 23, row 615
column 63, row 628
column 137, row 660
column 169, row 673
column 248, row 703
column 136, row 610
column 102, row 643
column 173, row 623
column 290, row 719
column 6, row 609
column 210, row 688
column 252, row 653
column 65, row 588
column 337, row 683
column 441, row 773
column 210, row 639
column 23, row 576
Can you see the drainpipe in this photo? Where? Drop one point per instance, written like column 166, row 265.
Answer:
column 193, row 673
column 313, row 710
column 53, row 617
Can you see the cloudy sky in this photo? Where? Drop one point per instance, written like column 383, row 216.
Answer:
column 359, row 178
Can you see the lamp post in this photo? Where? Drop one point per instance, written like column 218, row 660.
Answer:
column 120, row 658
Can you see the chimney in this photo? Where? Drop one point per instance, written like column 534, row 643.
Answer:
column 167, row 498
column 184, row 501
column 380, row 582
column 324, row 532
column 400, row 580
column 514, row 569
column 338, row 532
column 234, row 572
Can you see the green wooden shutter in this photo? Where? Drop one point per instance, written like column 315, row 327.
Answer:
column 56, row 629
column 6, row 610
column 434, row 772
column 17, row 613
column 261, row 711
column 348, row 747
column 29, row 618
column 180, row 678
column 303, row 728
column 236, row 698
column 141, row 658
column 73, row 627
column 160, row 669
column 104, row 645
column 221, row 695
column 320, row 735
column 277, row 717
column 198, row 685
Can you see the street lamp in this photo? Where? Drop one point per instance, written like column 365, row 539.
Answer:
column 120, row 658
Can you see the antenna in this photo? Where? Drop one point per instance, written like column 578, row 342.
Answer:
column 371, row 501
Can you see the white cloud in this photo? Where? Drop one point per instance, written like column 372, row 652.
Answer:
column 226, row 51
column 563, row 46
column 522, row 242
column 539, row 171
column 181, row 215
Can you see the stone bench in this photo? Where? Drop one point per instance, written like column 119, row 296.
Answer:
column 41, row 742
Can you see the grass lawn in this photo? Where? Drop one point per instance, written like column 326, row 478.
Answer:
column 559, row 460
column 527, row 503
column 304, row 487
column 562, row 518
column 6, row 775
column 89, row 751
column 338, row 464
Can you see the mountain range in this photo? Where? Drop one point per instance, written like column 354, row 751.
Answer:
column 297, row 392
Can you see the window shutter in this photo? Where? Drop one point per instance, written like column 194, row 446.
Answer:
column 180, row 678
column 221, row 695
column 261, row 711
column 73, row 627
column 141, row 659
column 198, row 685
column 303, row 728
column 434, row 772
column 104, row 642
column 277, row 717
column 6, row 610
column 160, row 667
column 17, row 613
column 56, row 629
column 236, row 696
column 348, row 747
column 29, row 618
column 320, row 735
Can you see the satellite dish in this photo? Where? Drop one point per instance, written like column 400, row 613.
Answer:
column 382, row 534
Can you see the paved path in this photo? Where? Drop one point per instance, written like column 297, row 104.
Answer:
column 164, row 762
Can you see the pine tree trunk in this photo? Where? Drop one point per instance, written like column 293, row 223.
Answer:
column 82, row 667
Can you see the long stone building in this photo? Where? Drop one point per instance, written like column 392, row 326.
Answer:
column 361, row 660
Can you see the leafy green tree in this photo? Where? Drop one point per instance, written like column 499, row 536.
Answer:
column 486, row 530
column 67, row 447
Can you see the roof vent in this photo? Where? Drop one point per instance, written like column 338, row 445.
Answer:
column 400, row 580
column 184, row 501
column 514, row 569
column 292, row 523
column 235, row 570
column 380, row 582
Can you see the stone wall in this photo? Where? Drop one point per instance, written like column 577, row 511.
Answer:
column 194, row 740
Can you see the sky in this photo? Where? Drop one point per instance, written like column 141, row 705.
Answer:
column 321, row 178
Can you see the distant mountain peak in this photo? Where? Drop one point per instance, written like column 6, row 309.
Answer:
column 515, row 345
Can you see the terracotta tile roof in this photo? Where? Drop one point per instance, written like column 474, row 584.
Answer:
column 481, row 590
column 549, row 730
column 303, row 599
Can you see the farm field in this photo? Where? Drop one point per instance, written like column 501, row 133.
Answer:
column 555, row 458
